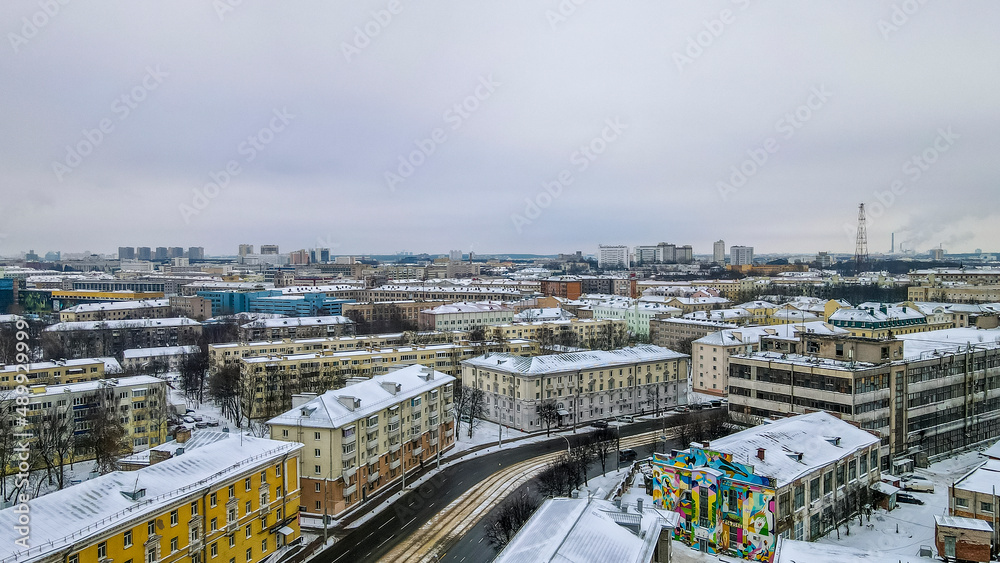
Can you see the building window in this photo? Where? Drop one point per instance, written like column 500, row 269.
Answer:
column 318, row 469
column 248, row 531
column 173, row 517
column 317, row 487
column 828, row 482
column 214, row 524
column 800, row 496
column 814, row 489
column 214, row 550
column 248, row 507
column 232, row 541
column 246, row 484
column 840, row 476
column 194, row 509
column 986, row 507
column 128, row 538
column 863, row 461
column 962, row 502
column 263, row 545
column 212, row 500
column 852, row 470
column 173, row 544
column 232, row 491
column 316, row 453
column 102, row 550
column 74, row 559
column 249, row 554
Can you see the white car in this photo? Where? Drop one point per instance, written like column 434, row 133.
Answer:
column 917, row 483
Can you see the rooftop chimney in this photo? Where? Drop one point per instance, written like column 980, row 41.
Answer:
column 391, row 387
column 760, row 454
column 182, row 435
column 156, row 456
column 350, row 402
column 638, row 505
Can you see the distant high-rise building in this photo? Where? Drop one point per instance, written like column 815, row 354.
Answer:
column 31, row 256
column 741, row 255
column 161, row 253
column 269, row 249
column 666, row 252
column 196, row 253
column 175, row 252
column 684, row 254
column 246, row 249
column 298, row 258
column 719, row 252
column 319, row 255
column 143, row 253
column 455, row 255
column 937, row 254
column 612, row 256
column 126, row 253
column 824, row 259
column 53, row 256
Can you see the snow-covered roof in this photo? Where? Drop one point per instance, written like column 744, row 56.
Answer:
column 985, row 479
column 699, row 322
column 87, row 386
column 757, row 305
column 117, row 306
column 124, row 324
column 568, row 530
column 813, row 435
column 298, row 321
column 159, row 351
column 590, row 359
column 963, row 523
column 370, row 395
column 465, row 307
column 10, row 318
column 89, row 509
column 198, row 439
column 753, row 334
column 543, row 314
column 110, row 364
column 993, row 451
column 919, row 344
column 719, row 314
column 870, row 313
column 794, row 314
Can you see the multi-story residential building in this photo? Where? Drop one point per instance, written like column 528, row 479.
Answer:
column 237, row 500
column 583, row 386
column 64, row 410
column 59, row 371
column 362, row 438
column 191, row 306
column 245, row 249
column 878, row 320
column 111, row 338
column 678, row 334
column 108, row 286
column 955, row 293
column 566, row 287
column 269, row 249
column 969, row 276
column 161, row 253
column 636, row 314
column 796, row 478
column 719, row 252
column 740, row 255
column 370, row 312
column 143, row 253
column 229, row 353
column 710, row 354
column 927, row 395
column 117, row 310
column 126, row 253
column 164, row 358
column 465, row 316
column 196, row 253
column 612, row 256
column 591, row 333
column 297, row 327
column 693, row 304
column 175, row 252
column 274, row 379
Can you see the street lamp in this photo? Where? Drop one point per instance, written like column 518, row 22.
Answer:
column 569, row 449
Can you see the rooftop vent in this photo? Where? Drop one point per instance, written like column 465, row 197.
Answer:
column 760, row 453
column 834, row 440
column 134, row 495
column 350, row 402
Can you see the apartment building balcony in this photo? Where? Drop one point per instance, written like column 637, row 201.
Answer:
column 372, row 477
column 232, row 526
column 347, row 456
column 450, row 432
column 374, row 459
column 372, row 444
column 433, row 441
column 348, row 473
column 394, row 431
column 393, row 448
column 394, row 420
column 433, row 421
column 350, row 490
column 417, row 451
column 395, row 464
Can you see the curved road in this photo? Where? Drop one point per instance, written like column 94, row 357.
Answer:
column 378, row 536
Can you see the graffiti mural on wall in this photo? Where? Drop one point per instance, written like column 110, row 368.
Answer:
column 687, row 481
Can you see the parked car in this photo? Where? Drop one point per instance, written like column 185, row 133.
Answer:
column 681, row 408
column 696, row 406
column 917, row 483
column 197, row 417
column 201, row 425
column 189, row 420
column 599, row 424
column 627, row 455
column 189, row 411
column 213, row 423
column 716, row 403
column 627, row 419
column 908, row 499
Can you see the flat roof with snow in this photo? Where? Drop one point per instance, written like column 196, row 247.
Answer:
column 590, row 359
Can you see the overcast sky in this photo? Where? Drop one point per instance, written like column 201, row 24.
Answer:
column 648, row 111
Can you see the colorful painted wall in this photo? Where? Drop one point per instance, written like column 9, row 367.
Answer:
column 684, row 482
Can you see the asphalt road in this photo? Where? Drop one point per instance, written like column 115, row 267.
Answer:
column 377, row 536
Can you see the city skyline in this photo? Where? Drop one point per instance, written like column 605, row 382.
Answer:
column 369, row 133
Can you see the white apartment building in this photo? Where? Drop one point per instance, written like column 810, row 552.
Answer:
column 465, row 316
column 741, row 255
column 584, row 386
column 719, row 252
column 612, row 256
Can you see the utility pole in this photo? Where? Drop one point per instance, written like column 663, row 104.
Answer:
column 861, row 244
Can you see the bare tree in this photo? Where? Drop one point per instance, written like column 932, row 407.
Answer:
column 470, row 407
column 507, row 519
column 193, row 370
column 224, row 388
column 548, row 414
column 107, row 438
column 55, row 442
column 8, row 417
column 604, row 441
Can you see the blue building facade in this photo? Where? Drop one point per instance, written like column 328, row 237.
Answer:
column 274, row 302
